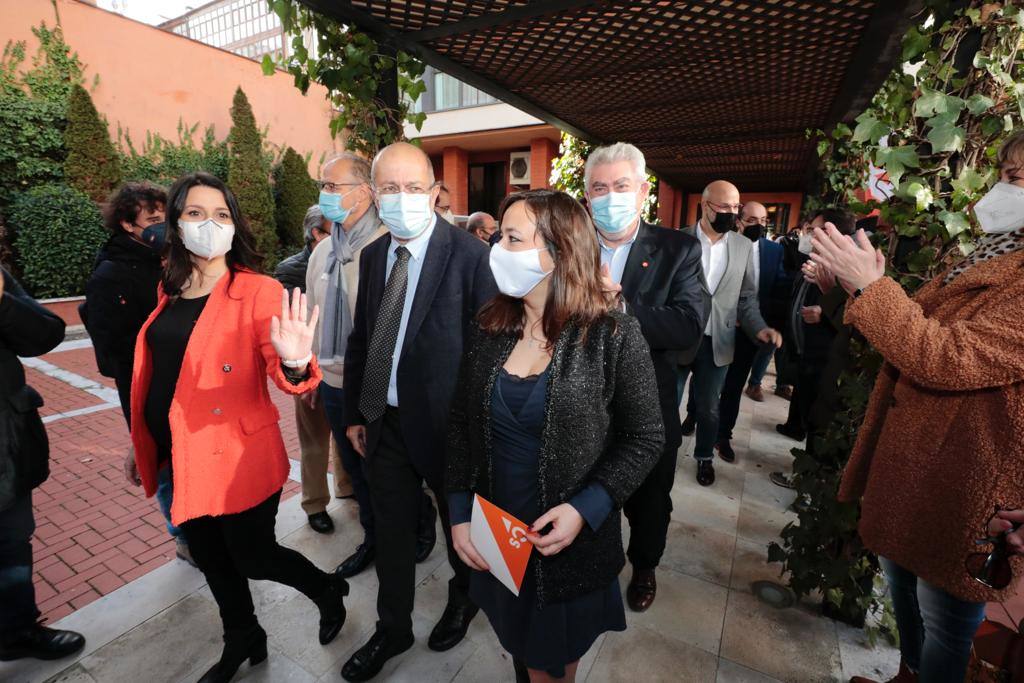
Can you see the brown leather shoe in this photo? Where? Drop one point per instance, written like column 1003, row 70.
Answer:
column 755, row 393
column 905, row 675
column 642, row 589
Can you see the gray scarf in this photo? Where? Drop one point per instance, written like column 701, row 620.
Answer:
column 336, row 324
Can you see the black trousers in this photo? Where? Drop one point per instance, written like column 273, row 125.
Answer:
column 735, row 382
column 231, row 549
column 17, row 594
column 805, row 393
column 395, row 487
column 649, row 511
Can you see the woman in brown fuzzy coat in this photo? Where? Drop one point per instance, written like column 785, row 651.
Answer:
column 942, row 444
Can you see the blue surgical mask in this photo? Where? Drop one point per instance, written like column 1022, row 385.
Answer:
column 155, row 236
column 331, row 208
column 406, row 214
column 614, row 212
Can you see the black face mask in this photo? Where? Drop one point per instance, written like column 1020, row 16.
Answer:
column 753, row 232
column 155, row 236
column 722, row 222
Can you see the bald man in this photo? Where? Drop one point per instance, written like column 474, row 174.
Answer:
column 482, row 225
column 772, row 286
column 730, row 296
column 420, row 287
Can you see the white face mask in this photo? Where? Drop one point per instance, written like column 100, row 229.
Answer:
column 516, row 272
column 1001, row 210
column 805, row 246
column 207, row 239
column 448, row 216
column 406, row 214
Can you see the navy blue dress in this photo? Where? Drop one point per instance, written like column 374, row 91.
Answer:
column 544, row 639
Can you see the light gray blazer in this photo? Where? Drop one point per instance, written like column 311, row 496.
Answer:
column 734, row 299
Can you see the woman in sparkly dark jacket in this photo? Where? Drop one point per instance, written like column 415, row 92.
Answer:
column 557, row 422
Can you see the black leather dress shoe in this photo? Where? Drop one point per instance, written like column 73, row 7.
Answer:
column 725, row 451
column 40, row 642
column 426, row 535
column 321, row 523
column 689, row 425
column 792, row 433
column 332, row 608
column 705, row 472
column 370, row 658
column 357, row 561
column 452, row 627
column 642, row 589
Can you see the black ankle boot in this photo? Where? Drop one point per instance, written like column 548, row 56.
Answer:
column 239, row 645
column 332, row 608
column 39, row 642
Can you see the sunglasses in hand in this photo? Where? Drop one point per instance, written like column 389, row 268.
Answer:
column 992, row 569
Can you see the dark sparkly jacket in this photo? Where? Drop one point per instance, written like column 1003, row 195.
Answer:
column 602, row 423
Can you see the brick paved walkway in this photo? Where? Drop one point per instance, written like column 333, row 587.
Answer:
column 94, row 531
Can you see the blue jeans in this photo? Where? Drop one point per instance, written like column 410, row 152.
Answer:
column 17, row 594
column 334, row 406
column 936, row 628
column 165, row 495
column 762, row 359
column 706, row 392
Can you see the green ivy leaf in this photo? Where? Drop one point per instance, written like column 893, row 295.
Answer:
column 955, row 222
column 896, row 161
column 944, row 136
column 978, row 104
column 869, row 129
column 932, row 102
column 914, row 44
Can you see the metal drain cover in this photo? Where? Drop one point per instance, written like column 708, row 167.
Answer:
column 774, row 594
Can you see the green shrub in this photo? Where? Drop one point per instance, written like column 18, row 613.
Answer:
column 162, row 161
column 57, row 232
column 92, row 164
column 294, row 193
column 249, row 175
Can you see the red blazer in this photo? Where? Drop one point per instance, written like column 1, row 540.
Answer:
column 227, row 452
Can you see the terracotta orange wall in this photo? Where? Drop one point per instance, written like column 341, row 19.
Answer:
column 794, row 199
column 149, row 79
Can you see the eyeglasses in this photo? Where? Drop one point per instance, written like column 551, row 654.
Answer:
column 725, row 208
column 992, row 569
column 411, row 188
column 755, row 221
column 334, row 188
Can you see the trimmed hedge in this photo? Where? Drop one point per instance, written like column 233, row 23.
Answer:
column 249, row 175
column 294, row 193
column 92, row 164
column 57, row 232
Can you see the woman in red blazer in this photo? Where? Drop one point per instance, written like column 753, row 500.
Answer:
column 200, row 406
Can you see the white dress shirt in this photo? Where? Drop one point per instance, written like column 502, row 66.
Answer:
column 615, row 257
column 417, row 251
column 713, row 259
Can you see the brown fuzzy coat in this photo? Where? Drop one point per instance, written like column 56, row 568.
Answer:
column 943, row 440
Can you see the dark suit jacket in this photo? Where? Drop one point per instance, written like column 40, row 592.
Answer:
column 774, row 284
column 661, row 287
column 454, row 283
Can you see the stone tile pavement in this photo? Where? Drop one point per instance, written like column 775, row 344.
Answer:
column 706, row 625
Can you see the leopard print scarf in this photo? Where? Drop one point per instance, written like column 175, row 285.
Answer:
column 989, row 247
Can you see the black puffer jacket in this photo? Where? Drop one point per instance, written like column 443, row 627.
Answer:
column 291, row 272
column 119, row 296
column 602, row 422
column 26, row 329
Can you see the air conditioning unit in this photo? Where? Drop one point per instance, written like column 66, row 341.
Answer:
column 519, row 168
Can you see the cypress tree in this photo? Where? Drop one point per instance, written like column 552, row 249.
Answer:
column 92, row 165
column 294, row 193
column 249, row 176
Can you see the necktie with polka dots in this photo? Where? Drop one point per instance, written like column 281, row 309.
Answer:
column 377, row 376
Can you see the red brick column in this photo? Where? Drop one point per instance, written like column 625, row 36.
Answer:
column 456, row 178
column 542, row 152
column 668, row 205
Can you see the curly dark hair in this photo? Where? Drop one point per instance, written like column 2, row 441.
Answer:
column 128, row 200
column 179, row 267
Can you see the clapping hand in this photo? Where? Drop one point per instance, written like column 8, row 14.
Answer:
column 852, row 260
column 566, row 524
column 292, row 334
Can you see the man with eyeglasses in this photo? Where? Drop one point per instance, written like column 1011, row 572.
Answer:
column 332, row 280
column 730, row 296
column 420, row 287
column 751, row 360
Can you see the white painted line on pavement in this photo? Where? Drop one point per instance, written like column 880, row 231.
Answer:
column 87, row 385
column 80, row 411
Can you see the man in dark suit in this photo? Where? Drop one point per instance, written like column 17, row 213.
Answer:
column 658, row 273
column 419, row 288
column 772, row 286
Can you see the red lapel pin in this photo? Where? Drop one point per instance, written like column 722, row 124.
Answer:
column 644, row 264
